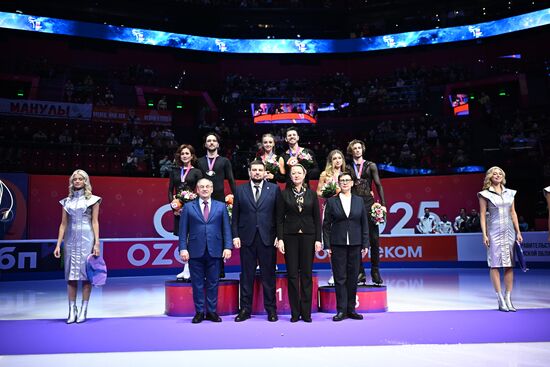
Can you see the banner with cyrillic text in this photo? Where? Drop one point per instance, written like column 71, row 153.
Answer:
column 48, row 109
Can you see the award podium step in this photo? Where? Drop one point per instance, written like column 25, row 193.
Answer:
column 370, row 298
column 179, row 298
column 281, row 294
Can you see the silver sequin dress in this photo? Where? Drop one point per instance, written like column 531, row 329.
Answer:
column 500, row 228
column 79, row 234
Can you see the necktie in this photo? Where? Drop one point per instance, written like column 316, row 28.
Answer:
column 257, row 192
column 206, row 211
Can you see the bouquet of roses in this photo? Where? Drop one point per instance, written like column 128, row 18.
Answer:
column 330, row 189
column 378, row 213
column 271, row 164
column 182, row 197
column 305, row 159
column 229, row 204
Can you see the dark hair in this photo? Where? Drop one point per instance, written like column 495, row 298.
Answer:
column 213, row 134
column 256, row 162
column 345, row 173
column 352, row 143
column 292, row 128
column 177, row 155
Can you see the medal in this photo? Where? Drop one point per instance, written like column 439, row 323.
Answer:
column 211, row 166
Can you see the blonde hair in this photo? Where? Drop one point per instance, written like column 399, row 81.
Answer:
column 329, row 169
column 489, row 174
column 87, row 184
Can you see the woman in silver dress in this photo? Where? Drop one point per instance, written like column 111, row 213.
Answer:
column 79, row 231
column 500, row 231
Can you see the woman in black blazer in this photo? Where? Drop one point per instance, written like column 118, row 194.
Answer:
column 183, row 177
column 299, row 234
column 346, row 238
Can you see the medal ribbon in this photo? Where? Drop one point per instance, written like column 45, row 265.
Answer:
column 358, row 172
column 292, row 153
column 211, row 164
column 184, row 172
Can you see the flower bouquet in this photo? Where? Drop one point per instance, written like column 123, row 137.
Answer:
column 229, row 204
column 271, row 165
column 182, row 197
column 305, row 159
column 378, row 213
column 330, row 189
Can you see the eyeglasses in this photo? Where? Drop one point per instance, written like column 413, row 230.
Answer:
column 345, row 180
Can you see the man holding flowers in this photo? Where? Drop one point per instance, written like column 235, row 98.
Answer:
column 364, row 173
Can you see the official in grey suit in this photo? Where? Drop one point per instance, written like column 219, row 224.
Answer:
column 346, row 239
column 204, row 239
column 253, row 226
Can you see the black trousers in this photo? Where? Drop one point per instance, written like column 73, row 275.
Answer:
column 266, row 256
column 345, row 267
column 299, row 252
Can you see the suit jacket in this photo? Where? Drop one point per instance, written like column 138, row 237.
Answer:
column 249, row 216
column 198, row 235
column 337, row 226
column 291, row 221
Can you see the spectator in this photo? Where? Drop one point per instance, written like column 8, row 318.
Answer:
column 444, row 226
column 166, row 166
column 473, row 224
column 459, row 224
column 427, row 223
column 523, row 225
column 162, row 104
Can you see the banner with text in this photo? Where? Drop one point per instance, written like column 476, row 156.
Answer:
column 138, row 207
column 48, row 109
column 137, row 116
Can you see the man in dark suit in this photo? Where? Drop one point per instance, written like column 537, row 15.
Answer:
column 253, row 226
column 346, row 237
column 204, row 239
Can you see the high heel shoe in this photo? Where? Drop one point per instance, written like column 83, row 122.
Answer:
column 508, row 300
column 72, row 313
column 501, row 303
column 83, row 313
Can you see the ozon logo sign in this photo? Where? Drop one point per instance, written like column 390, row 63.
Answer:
column 157, row 222
column 140, row 255
column 156, row 254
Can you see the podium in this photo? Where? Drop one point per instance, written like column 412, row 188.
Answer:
column 370, row 298
column 281, row 294
column 179, row 298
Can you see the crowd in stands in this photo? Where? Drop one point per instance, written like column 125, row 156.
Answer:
column 412, row 139
column 53, row 146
